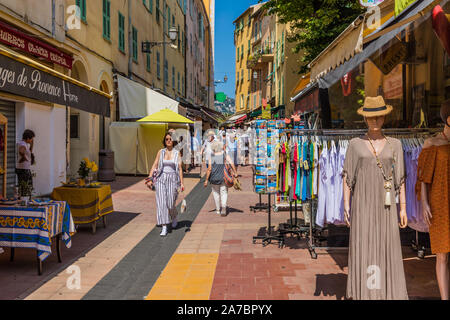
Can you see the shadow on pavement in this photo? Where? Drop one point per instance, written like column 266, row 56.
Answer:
column 331, row 285
column 19, row 278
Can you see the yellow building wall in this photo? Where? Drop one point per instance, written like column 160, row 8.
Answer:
column 243, row 81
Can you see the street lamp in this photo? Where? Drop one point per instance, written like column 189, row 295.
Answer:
column 173, row 34
column 148, row 45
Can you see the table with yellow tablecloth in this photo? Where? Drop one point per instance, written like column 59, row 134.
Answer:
column 86, row 204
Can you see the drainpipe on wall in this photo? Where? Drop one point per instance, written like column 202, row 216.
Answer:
column 53, row 19
column 130, row 43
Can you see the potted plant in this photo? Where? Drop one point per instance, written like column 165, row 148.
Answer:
column 85, row 170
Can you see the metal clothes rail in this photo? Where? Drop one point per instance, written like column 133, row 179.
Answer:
column 310, row 230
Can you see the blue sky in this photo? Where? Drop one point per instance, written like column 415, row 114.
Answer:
column 226, row 12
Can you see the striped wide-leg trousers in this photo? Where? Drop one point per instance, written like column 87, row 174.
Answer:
column 166, row 197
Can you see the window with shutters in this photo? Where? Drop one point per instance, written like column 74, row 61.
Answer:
column 107, row 20
column 173, row 78
column 121, row 33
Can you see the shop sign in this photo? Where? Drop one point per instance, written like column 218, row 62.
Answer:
column 370, row 3
column 21, row 41
column 401, row 5
column 393, row 84
column 26, row 81
column 390, row 58
column 266, row 111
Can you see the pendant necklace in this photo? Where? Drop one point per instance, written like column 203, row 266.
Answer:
column 388, row 181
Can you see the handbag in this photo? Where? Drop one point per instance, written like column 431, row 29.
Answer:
column 228, row 178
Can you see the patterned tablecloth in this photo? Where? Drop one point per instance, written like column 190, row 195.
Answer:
column 87, row 204
column 35, row 226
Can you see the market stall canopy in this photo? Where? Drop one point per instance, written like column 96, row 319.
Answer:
column 343, row 48
column 137, row 101
column 25, row 77
column 419, row 11
column 165, row 116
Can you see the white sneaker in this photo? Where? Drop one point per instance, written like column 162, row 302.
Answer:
column 218, row 213
column 164, row 231
column 174, row 223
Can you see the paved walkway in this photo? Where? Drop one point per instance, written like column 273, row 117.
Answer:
column 211, row 257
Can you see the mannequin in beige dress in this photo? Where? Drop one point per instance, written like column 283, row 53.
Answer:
column 373, row 174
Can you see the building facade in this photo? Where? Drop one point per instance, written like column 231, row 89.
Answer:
column 242, row 41
column 197, row 55
column 266, row 66
column 33, row 40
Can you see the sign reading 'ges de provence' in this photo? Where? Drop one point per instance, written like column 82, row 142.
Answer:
column 23, row 80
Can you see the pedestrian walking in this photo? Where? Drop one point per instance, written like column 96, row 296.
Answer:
column 25, row 159
column 215, row 176
column 206, row 148
column 231, row 146
column 166, row 176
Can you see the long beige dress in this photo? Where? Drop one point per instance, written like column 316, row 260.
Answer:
column 375, row 265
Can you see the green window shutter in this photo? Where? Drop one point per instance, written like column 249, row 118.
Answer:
column 82, row 5
column 166, row 72
column 121, row 32
column 157, row 11
column 135, row 44
column 158, row 66
column 242, row 51
column 148, row 62
column 178, row 82
column 150, row 6
column 279, row 91
column 168, row 19
column 107, row 19
column 173, row 77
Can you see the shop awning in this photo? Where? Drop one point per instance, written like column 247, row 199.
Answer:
column 301, row 84
column 28, row 78
column 241, row 119
column 137, row 101
column 420, row 11
column 165, row 116
column 344, row 47
column 256, row 113
column 235, row 118
column 213, row 118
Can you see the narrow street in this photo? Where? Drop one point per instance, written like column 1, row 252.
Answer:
column 207, row 257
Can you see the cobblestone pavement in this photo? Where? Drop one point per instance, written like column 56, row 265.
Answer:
column 206, row 257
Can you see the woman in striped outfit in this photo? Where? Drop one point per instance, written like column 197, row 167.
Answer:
column 169, row 179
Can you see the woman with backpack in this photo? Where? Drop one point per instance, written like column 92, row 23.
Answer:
column 221, row 173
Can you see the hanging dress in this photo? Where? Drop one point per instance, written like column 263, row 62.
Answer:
column 375, row 265
column 434, row 170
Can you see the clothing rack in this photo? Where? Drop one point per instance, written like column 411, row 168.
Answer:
column 309, row 230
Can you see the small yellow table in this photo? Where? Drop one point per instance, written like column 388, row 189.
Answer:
column 86, row 204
